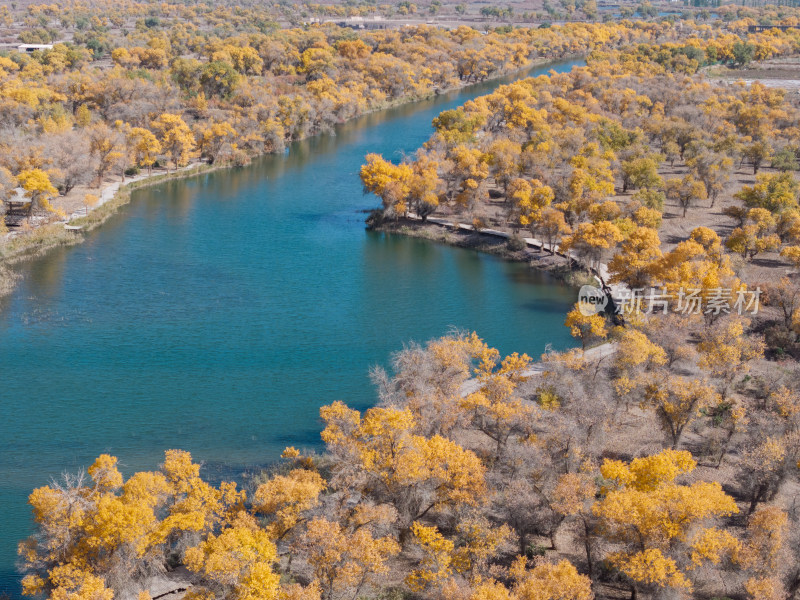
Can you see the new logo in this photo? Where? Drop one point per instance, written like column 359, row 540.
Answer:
column 591, row 300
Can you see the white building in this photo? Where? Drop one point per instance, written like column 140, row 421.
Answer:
column 32, row 47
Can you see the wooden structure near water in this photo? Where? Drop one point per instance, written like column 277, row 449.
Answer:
column 18, row 207
column 761, row 28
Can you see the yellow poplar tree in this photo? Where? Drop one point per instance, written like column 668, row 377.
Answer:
column 548, row 581
column 414, row 473
column 38, row 188
column 285, row 497
column 342, row 560
column 494, row 409
column 645, row 510
column 633, row 264
column 389, row 182
column 144, row 147
column 240, row 558
column 586, row 327
column 213, row 138
column 437, row 557
column 726, row 351
column 677, row 401
column 176, row 138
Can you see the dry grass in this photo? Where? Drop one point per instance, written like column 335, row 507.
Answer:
column 37, row 242
column 8, row 280
column 102, row 213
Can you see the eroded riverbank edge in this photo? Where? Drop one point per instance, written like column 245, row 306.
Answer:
column 505, row 246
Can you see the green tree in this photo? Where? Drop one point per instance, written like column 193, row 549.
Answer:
column 219, row 79
column 743, row 53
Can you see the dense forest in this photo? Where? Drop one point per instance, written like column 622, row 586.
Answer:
column 639, row 167
column 127, row 87
column 118, row 91
column 599, row 161
column 657, row 470
column 203, row 84
column 658, row 460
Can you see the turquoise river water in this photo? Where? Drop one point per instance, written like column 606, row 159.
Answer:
column 216, row 314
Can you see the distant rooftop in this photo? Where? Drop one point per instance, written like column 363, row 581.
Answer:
column 32, row 47
column 18, row 196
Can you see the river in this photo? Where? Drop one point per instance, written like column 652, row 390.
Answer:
column 216, row 314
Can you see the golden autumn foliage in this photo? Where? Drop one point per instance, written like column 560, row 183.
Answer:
column 108, row 522
column 551, row 582
column 646, row 510
column 390, row 182
column 285, row 497
column 677, row 401
column 175, row 137
column 71, row 583
column 636, row 357
column 545, row 154
column 726, row 351
column 436, row 564
column 494, row 409
column 586, row 327
column 650, row 567
column 143, row 146
column 240, row 557
column 414, row 473
column 633, row 264
column 388, row 483
column 464, row 448
column 38, row 188
column 343, row 560
column 766, row 530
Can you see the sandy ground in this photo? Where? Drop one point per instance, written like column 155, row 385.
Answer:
column 778, row 73
column 676, row 228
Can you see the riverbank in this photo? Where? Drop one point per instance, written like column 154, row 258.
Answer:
column 514, row 248
column 46, row 234
column 243, row 288
column 17, row 247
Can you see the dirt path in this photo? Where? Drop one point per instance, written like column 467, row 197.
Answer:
column 592, row 354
